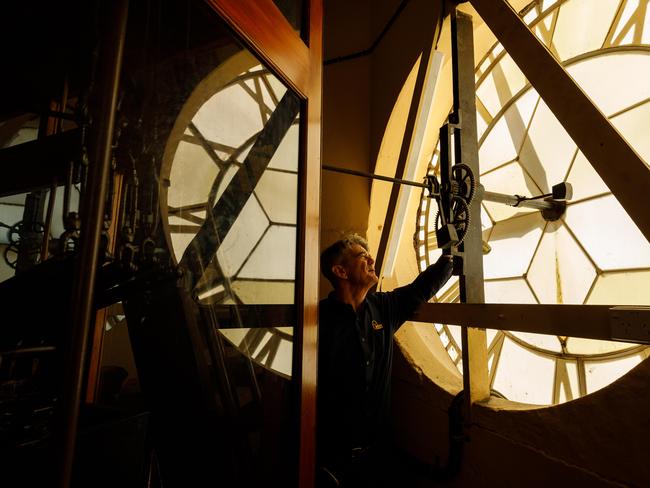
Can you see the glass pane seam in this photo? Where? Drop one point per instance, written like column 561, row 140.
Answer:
column 257, row 244
column 531, row 289
column 588, row 199
column 527, row 173
column 612, row 27
column 503, row 165
column 573, row 160
column 514, row 99
column 627, row 109
column 532, row 258
column 530, row 122
column 582, row 248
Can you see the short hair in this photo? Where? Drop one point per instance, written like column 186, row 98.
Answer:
column 335, row 254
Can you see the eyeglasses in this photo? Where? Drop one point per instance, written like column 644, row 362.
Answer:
column 363, row 254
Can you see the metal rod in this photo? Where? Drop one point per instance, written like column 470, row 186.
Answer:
column 373, row 176
column 45, row 245
column 92, row 219
column 490, row 196
column 516, row 201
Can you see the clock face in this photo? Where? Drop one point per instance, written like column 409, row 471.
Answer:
column 233, row 152
column 594, row 254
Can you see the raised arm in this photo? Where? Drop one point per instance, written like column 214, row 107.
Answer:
column 403, row 301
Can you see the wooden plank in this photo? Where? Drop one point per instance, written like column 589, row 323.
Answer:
column 33, row 165
column 587, row 321
column 309, row 222
column 268, row 33
column 618, row 164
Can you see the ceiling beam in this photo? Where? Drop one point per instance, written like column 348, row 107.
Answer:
column 617, row 163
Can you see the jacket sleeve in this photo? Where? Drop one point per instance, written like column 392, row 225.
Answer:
column 404, row 301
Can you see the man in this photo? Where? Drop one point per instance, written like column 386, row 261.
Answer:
column 355, row 357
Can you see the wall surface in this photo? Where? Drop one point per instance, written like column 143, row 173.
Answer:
column 346, row 115
column 597, row 440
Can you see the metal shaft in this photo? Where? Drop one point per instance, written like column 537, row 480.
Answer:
column 515, row 201
column 92, row 220
column 346, row 171
column 490, row 196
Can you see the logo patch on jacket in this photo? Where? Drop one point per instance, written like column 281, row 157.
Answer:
column 376, row 325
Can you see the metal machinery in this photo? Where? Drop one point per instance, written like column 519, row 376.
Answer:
column 199, row 412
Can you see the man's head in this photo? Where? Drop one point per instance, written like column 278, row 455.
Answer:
column 348, row 260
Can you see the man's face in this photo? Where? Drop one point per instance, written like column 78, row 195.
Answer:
column 360, row 267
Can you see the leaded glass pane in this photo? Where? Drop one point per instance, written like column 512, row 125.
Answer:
column 191, row 158
column 543, row 342
column 633, row 26
column 613, row 242
column 582, row 26
column 560, row 271
column 273, row 259
column 584, row 179
column 231, row 103
column 544, row 29
column 504, row 140
column 601, row 374
column 634, row 124
column 622, row 288
column 579, row 345
column 286, row 155
column 503, row 81
column 242, row 238
column 566, row 377
column 516, row 363
column 624, row 85
column 278, row 193
column 547, row 150
column 508, row 291
column 513, row 244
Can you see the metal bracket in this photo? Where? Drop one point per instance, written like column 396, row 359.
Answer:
column 630, row 324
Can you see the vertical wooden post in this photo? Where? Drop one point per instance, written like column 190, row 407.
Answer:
column 309, row 268
column 475, row 358
column 94, row 366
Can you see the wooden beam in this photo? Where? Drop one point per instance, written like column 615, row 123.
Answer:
column 476, row 381
column 306, row 334
column 270, row 35
column 587, row 321
column 618, row 164
column 33, row 165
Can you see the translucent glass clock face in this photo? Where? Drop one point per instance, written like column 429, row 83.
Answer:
column 216, row 161
column 594, row 254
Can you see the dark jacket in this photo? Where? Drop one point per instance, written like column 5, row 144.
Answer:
column 355, row 357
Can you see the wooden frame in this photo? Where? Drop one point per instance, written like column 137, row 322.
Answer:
column 269, row 35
